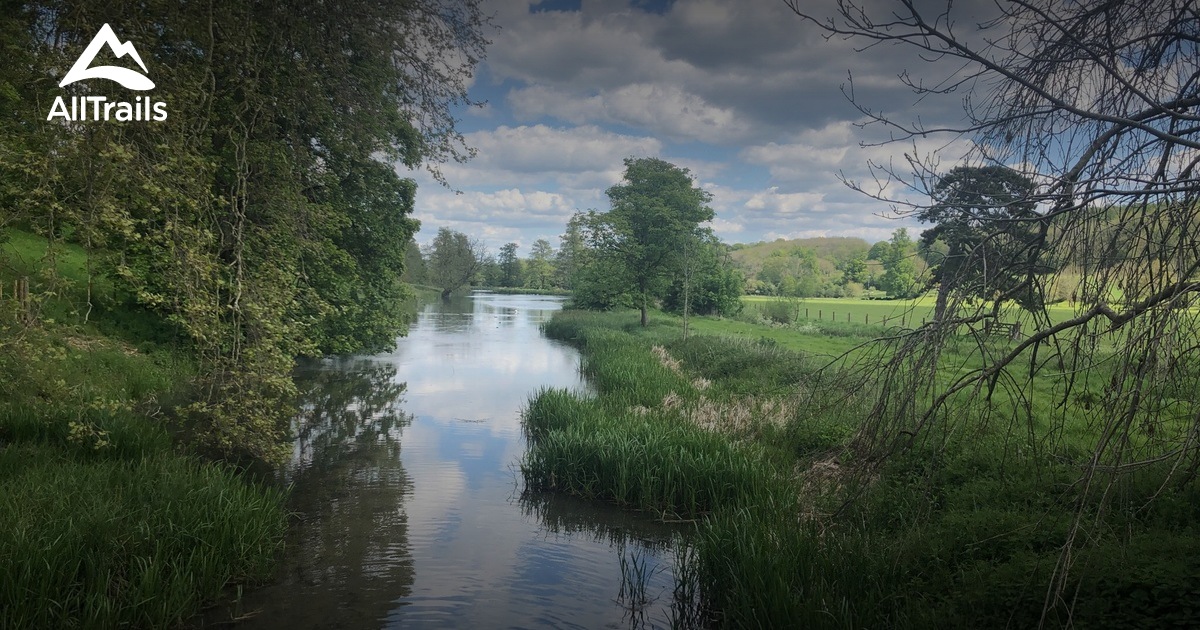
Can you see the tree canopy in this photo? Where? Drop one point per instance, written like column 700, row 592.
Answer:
column 655, row 208
column 985, row 216
column 454, row 260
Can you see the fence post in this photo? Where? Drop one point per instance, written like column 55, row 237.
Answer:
column 22, row 295
column 866, row 318
column 820, row 315
column 806, row 313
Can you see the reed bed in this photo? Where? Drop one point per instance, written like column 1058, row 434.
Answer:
column 645, row 461
column 114, row 543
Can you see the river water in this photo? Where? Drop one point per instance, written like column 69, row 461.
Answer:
column 409, row 501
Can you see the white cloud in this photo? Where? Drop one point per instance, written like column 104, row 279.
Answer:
column 545, row 149
column 745, row 90
column 666, row 109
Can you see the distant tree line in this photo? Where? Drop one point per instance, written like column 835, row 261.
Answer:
column 650, row 249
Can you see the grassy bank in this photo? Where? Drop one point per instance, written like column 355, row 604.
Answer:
column 105, row 521
column 749, row 438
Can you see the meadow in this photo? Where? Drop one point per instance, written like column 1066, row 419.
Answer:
column 873, row 312
column 749, row 431
column 106, row 518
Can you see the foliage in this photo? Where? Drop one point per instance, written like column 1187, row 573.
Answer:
column 454, row 260
column 102, row 522
column 414, row 265
column 985, row 217
column 1096, row 103
column 540, row 266
column 509, row 266
column 807, row 267
column 711, row 284
column 572, row 250
column 263, row 219
column 955, row 532
column 655, row 209
column 899, row 274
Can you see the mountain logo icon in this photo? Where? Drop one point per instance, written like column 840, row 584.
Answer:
column 129, row 78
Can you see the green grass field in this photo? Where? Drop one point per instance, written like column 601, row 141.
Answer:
column 883, row 312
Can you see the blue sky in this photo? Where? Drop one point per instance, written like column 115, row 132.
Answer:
column 743, row 93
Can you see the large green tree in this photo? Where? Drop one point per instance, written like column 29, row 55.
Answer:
column 986, row 218
column 454, row 260
column 510, row 266
column 655, row 209
column 710, row 283
column 572, row 250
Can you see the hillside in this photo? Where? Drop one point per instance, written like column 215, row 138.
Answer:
column 807, row 267
column 831, row 248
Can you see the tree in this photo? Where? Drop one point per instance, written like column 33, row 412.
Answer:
column 599, row 279
column 510, row 266
column 572, row 248
column 414, row 264
column 854, row 269
column 877, row 251
column 899, row 274
column 540, row 268
column 985, row 216
column 655, row 209
column 710, row 284
column 454, row 260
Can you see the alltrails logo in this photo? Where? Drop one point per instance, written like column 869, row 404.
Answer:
column 99, row 106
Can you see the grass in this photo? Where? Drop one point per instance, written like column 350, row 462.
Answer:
column 104, row 520
column 748, row 437
column 110, row 541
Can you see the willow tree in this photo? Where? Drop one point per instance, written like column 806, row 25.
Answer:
column 454, row 260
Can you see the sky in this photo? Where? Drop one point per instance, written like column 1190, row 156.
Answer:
column 743, row 93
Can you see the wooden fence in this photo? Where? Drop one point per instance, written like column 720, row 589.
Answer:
column 19, row 296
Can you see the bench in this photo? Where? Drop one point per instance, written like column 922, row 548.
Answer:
column 1011, row 331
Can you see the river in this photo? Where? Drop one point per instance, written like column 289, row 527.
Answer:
column 408, row 499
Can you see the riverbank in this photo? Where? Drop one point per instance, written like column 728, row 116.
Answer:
column 752, row 441
column 522, row 291
column 105, row 519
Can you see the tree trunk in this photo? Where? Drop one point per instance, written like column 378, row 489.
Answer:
column 643, row 309
column 446, row 294
column 939, row 308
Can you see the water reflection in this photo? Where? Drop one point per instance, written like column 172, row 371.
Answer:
column 348, row 555
column 409, row 501
column 347, row 405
